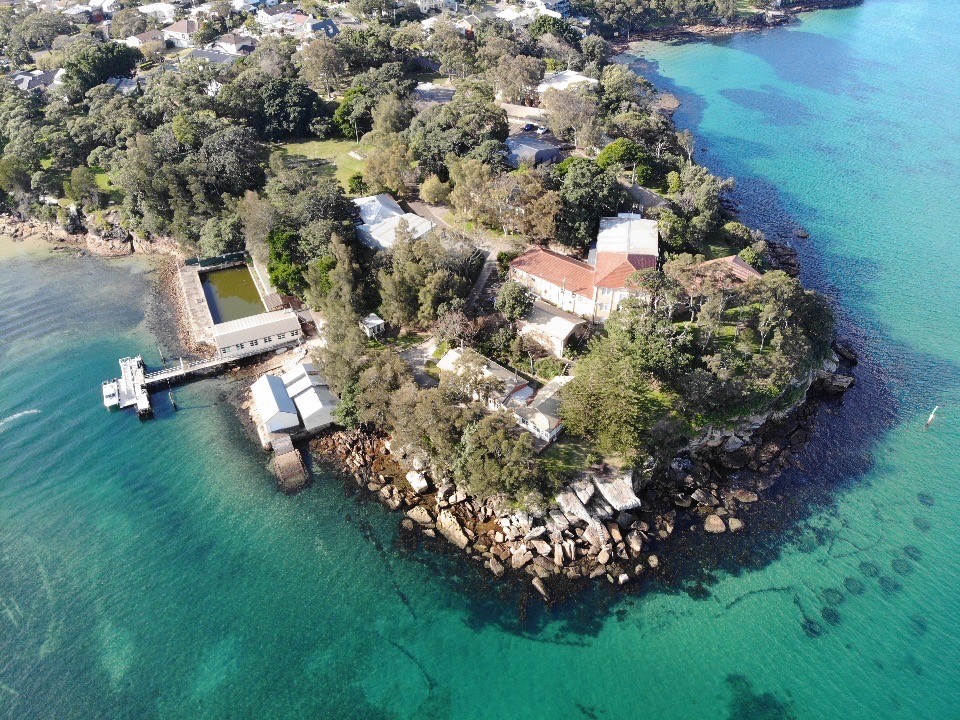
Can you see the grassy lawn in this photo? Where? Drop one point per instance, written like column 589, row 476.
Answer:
column 337, row 152
column 566, row 458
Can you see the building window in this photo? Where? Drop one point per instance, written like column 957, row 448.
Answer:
column 281, row 336
column 267, row 339
column 294, row 333
column 240, row 346
column 253, row 343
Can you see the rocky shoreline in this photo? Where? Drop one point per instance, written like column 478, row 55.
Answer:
column 760, row 21
column 581, row 537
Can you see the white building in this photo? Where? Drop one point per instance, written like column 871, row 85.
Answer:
column 257, row 333
column 150, row 36
column 373, row 325
column 381, row 216
column 540, row 416
column 180, row 34
column 505, row 384
column 550, row 327
column 164, row 12
column 273, row 404
column 312, row 397
column 563, row 80
column 628, row 233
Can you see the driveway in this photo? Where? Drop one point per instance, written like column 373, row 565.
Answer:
column 416, row 357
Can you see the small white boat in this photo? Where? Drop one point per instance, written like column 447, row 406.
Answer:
column 931, row 418
column 111, row 394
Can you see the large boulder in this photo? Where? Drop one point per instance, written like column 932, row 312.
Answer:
column 449, row 527
column 714, row 524
column 420, row 515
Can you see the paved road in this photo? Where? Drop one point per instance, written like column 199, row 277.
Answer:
column 416, row 357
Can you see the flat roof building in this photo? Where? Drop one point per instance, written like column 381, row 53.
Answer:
column 550, row 327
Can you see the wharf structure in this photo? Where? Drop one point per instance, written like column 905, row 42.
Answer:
column 236, row 339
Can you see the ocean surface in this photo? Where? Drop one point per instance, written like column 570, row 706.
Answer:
column 152, row 570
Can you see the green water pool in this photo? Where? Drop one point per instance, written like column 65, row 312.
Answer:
column 231, row 294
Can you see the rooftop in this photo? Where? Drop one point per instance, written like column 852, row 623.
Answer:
column 628, row 233
column 570, row 274
column 563, row 80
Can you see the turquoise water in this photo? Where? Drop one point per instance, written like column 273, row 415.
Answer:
column 151, row 570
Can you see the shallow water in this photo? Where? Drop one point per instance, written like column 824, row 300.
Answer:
column 151, row 570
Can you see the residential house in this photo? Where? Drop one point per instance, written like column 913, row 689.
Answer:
column 124, row 85
column 380, row 217
column 161, row 11
column 257, row 333
column 79, row 14
column 181, row 33
column 150, row 36
column 36, row 80
column 211, row 56
column 503, row 385
column 563, row 80
column 529, row 150
column 594, row 289
column 540, row 415
column 551, row 327
column 233, row 44
column 734, row 268
column 560, row 7
column 274, row 405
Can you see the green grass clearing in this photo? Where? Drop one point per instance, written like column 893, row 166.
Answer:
column 341, row 164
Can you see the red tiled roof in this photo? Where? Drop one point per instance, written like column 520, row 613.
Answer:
column 614, row 269
column 573, row 275
column 735, row 266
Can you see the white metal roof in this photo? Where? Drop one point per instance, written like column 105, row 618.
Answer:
column 628, row 233
column 316, row 405
column 563, row 80
column 273, row 402
column 255, row 327
column 383, row 234
column 377, row 208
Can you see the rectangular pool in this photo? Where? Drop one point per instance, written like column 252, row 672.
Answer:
column 231, row 294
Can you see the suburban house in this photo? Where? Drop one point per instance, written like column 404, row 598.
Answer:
column 211, row 56
column 536, row 412
column 380, row 216
column 527, row 150
column 150, row 36
column 560, row 7
column 563, row 80
column 734, row 268
column 124, row 85
column 180, row 34
column 36, row 80
column 593, row 289
column 540, row 415
column 287, row 19
column 161, row 11
column 506, row 385
column 257, row 332
column 233, row 44
column 551, row 327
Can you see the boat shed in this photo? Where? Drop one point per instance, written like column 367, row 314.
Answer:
column 312, row 397
column 276, row 409
column 257, row 333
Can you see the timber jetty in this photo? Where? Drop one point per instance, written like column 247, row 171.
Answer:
column 132, row 388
